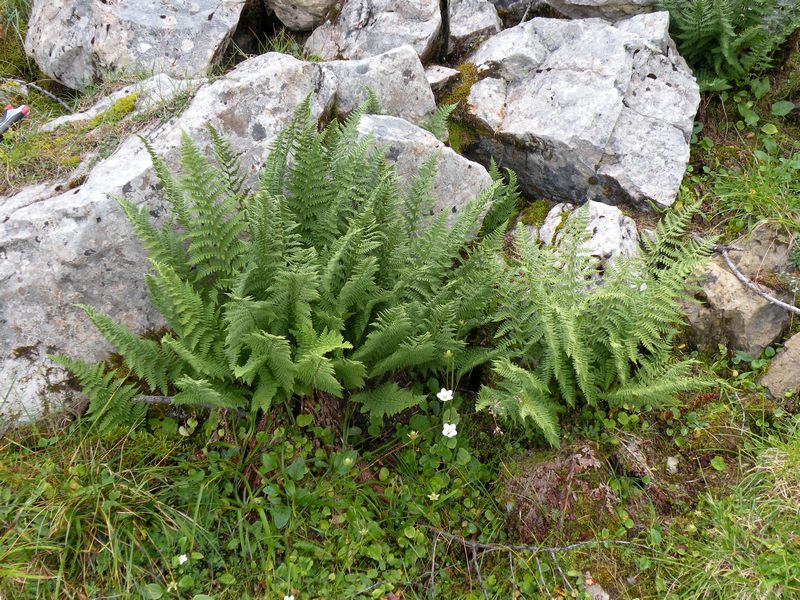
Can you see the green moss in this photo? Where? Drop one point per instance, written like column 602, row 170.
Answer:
column 460, row 135
column 118, row 111
column 459, row 94
column 13, row 60
column 534, row 214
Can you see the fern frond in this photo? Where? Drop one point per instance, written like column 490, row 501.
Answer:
column 387, row 400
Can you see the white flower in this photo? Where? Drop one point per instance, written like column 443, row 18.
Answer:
column 444, row 395
column 433, row 496
column 289, row 597
column 643, row 287
column 449, row 430
column 182, row 559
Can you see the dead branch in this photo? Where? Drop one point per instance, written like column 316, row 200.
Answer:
column 723, row 250
column 42, row 91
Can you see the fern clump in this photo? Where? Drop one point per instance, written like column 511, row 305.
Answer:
column 725, row 41
column 571, row 340
column 325, row 280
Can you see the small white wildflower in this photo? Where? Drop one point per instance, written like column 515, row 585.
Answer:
column 643, row 287
column 449, row 430
column 413, row 435
column 444, row 395
column 433, row 496
column 289, row 597
column 182, row 559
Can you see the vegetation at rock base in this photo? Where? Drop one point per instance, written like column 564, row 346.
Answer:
column 332, row 405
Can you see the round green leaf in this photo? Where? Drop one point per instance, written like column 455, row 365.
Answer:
column 782, row 108
column 152, row 591
column 718, row 463
column 769, row 129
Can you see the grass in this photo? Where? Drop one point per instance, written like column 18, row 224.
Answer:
column 745, row 544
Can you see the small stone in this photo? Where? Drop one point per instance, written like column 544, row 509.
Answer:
column 783, row 373
column 440, row 78
column 672, row 464
column 301, row 15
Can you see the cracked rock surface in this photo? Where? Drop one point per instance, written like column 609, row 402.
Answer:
column 587, row 110
column 78, row 42
column 368, row 27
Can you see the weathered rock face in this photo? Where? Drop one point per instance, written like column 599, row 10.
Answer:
column 301, row 15
column 731, row 314
column 77, row 247
column 408, row 147
column 612, row 233
column 611, row 10
column 470, row 23
column 397, row 77
column 586, row 110
column 78, row 42
column 369, row 27
column 784, row 370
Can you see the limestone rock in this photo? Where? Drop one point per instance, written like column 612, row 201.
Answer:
column 301, row 15
column 732, row 315
column 784, row 371
column 610, row 10
column 457, row 181
column 369, row 27
column 397, row 77
column 149, row 93
column 471, row 22
column 57, row 250
column 586, row 110
column 440, row 78
column 79, row 42
column 612, row 233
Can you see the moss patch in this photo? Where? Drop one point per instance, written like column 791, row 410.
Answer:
column 535, row 213
column 30, row 155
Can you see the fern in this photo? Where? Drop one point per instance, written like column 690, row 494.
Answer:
column 576, row 341
column 325, row 279
column 437, row 121
column 724, row 41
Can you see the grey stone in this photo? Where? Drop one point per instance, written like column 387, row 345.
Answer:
column 369, row 27
column 613, row 234
column 586, row 110
column 440, row 78
column 397, row 77
column 470, row 23
column 457, row 181
column 731, row 315
column 150, row 93
column 783, row 374
column 301, row 15
column 611, row 10
column 77, row 247
column 80, row 42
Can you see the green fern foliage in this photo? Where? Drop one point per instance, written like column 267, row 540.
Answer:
column 726, row 40
column 329, row 278
column 577, row 340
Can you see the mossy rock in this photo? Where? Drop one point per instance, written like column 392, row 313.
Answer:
column 535, row 213
column 118, row 111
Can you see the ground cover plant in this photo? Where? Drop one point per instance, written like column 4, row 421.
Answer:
column 352, row 400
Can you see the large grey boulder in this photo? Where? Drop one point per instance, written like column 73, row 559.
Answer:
column 397, row 78
column 59, row 249
column 369, row 27
column 783, row 374
column 586, row 110
column 470, row 23
column 301, row 15
column 457, row 181
column 611, row 10
column 79, row 42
